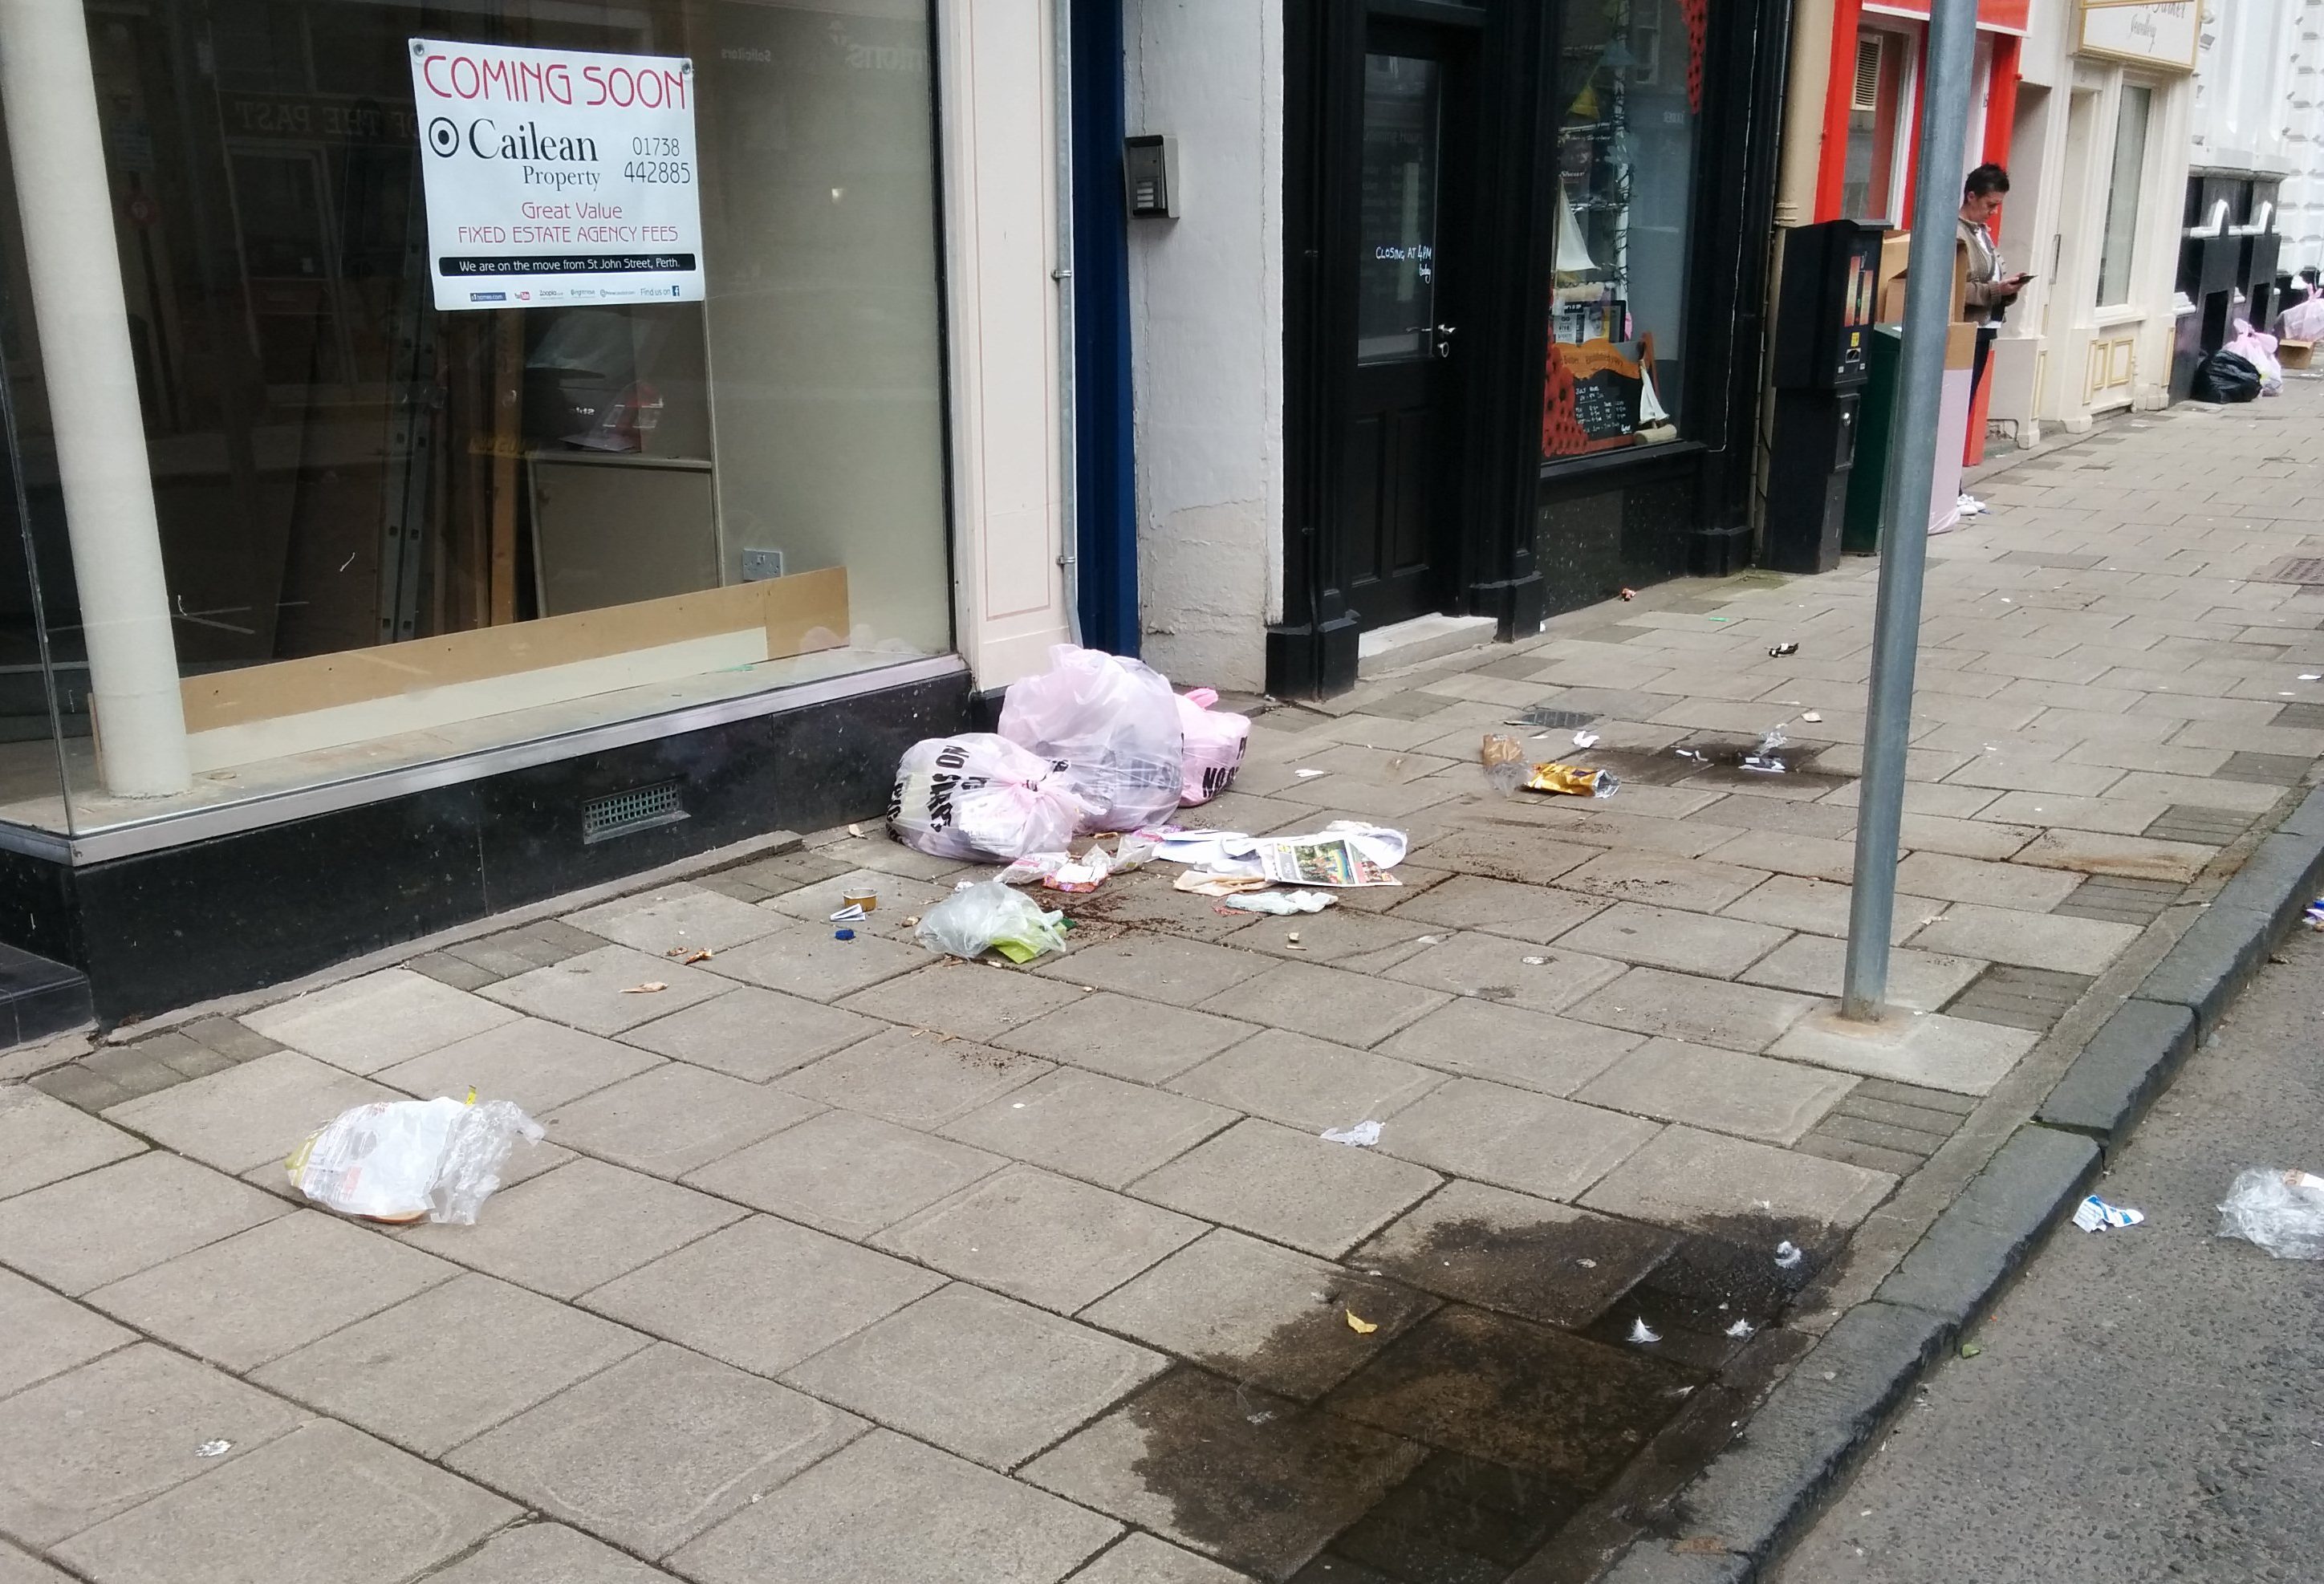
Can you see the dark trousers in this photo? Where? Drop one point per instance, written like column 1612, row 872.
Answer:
column 1984, row 335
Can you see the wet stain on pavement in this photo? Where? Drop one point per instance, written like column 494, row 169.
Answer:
column 1460, row 1448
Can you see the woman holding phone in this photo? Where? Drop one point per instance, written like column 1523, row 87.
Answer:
column 1990, row 291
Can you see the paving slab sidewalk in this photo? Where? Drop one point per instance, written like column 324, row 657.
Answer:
column 844, row 1263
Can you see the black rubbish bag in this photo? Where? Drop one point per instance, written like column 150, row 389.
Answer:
column 2225, row 376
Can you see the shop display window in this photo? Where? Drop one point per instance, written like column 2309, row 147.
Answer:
column 1629, row 85
column 397, row 530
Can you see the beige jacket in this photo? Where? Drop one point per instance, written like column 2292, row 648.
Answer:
column 1986, row 297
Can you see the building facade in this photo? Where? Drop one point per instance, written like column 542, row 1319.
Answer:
column 466, row 453
column 1456, row 326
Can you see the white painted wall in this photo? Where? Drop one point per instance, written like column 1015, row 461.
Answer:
column 1000, row 245
column 2300, row 219
column 1206, row 336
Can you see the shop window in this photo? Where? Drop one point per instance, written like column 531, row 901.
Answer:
column 395, row 528
column 1629, row 85
column 1870, row 186
column 2119, row 245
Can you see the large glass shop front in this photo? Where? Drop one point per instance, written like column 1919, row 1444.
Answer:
column 503, row 370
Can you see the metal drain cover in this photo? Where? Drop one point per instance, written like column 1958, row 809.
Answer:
column 2307, row 569
column 1543, row 717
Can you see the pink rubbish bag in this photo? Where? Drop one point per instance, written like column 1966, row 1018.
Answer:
column 978, row 795
column 1113, row 723
column 1215, row 739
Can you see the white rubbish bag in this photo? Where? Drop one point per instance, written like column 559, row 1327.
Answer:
column 2281, row 1212
column 978, row 795
column 405, row 1159
column 1113, row 723
column 1215, row 738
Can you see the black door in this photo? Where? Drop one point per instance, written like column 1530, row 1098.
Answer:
column 1399, row 496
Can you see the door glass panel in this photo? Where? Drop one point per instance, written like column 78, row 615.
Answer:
column 1396, row 276
column 2122, row 195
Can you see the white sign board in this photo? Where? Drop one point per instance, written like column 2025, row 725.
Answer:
column 558, row 176
column 2151, row 33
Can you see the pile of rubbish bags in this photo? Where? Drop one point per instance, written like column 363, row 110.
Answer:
column 2243, row 370
column 1096, row 742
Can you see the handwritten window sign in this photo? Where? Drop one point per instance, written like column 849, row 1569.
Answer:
column 1607, row 386
column 558, row 176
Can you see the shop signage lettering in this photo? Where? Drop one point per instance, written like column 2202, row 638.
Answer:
column 2152, row 33
column 317, row 119
column 558, row 176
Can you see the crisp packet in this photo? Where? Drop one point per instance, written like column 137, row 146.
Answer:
column 1575, row 780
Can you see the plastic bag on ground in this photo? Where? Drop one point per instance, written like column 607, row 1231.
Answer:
column 2225, row 376
column 401, row 1160
column 986, row 916
column 978, row 795
column 1215, row 738
column 1113, row 723
column 2281, row 1212
column 2257, row 348
column 2303, row 321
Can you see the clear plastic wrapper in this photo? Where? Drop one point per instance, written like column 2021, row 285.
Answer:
column 403, row 1160
column 989, row 916
column 2281, row 1212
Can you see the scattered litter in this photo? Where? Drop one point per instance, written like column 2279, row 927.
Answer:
column 1346, row 852
column 1585, row 740
column 988, row 915
column 2096, row 1215
column 1781, row 649
column 405, row 1159
column 2281, row 1212
column 1292, row 940
column 1573, row 780
column 1587, row 1264
column 1204, row 883
column 843, row 934
column 1629, row 593
column 1261, row 1417
column 1741, row 1328
column 1283, row 903
column 1643, row 1333
column 850, row 914
column 2311, row 676
column 2315, row 913
column 862, row 896
column 1430, row 941
column 1033, row 866
column 1971, row 1349
column 689, row 955
column 213, row 1449
column 650, row 986
column 1811, row 717
column 854, row 830
column 1085, row 874
column 1307, row 774
column 1358, row 1324
column 1699, row 757
column 1536, row 962
column 1363, row 1134
column 1133, row 851
column 1763, row 758
column 1504, row 758
column 1787, row 1255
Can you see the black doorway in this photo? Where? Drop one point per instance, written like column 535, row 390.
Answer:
column 1408, row 261
column 1412, row 372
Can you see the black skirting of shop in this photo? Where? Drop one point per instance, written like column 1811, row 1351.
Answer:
column 183, row 923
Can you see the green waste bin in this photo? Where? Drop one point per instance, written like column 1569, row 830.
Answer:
column 1868, row 480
